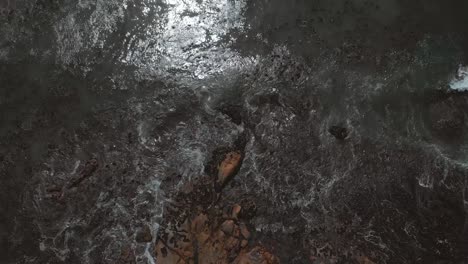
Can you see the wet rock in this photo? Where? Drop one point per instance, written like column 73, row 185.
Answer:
column 144, row 235
column 198, row 227
column 236, row 209
column 127, row 256
column 338, row 132
column 249, row 209
column 199, row 223
column 234, row 112
column 228, row 227
column 244, row 231
column 244, row 243
column 167, row 255
column 257, row 255
column 228, row 167
column 201, row 240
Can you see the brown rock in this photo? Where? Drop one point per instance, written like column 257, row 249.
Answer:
column 177, row 246
column 257, row 255
column 197, row 230
column 165, row 255
column 199, row 223
column 244, row 243
column 204, row 242
column 228, row 227
column 236, row 209
column 229, row 166
column 244, row 231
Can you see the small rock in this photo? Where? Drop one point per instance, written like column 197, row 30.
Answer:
column 339, row 132
column 229, row 166
column 199, row 222
column 234, row 112
column 228, row 227
column 244, row 243
column 244, row 231
column 144, row 235
column 257, row 255
column 236, row 209
column 249, row 209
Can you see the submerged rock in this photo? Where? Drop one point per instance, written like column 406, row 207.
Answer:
column 339, row 132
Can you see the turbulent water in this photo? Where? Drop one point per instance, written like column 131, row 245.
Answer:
column 108, row 108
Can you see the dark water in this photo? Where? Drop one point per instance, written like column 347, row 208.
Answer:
column 149, row 89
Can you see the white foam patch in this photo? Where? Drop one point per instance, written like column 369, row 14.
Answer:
column 460, row 82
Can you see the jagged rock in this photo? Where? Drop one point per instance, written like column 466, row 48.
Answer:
column 205, row 242
column 200, row 231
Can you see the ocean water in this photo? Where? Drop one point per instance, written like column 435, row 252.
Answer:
column 150, row 89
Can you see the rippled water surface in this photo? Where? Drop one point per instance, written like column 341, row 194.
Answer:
column 109, row 109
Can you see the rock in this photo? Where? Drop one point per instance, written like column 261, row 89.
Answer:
column 244, row 243
column 200, row 241
column 199, row 223
column 165, row 255
column 198, row 230
column 257, row 255
column 229, row 166
column 175, row 247
column 339, row 132
column 236, row 209
column 244, row 231
column 228, row 227
column 234, row 112
column 144, row 235
column 249, row 209
column 127, row 256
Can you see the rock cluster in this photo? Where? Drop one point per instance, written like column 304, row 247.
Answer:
column 197, row 230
